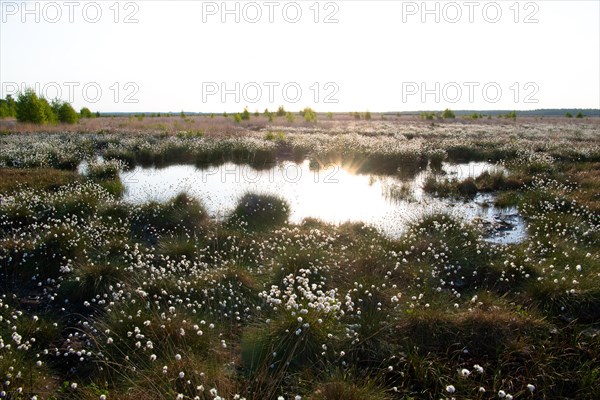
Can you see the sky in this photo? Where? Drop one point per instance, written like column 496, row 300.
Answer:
column 215, row 56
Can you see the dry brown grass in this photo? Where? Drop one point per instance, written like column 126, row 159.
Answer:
column 340, row 122
column 45, row 178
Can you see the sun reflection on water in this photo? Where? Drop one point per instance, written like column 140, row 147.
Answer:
column 332, row 193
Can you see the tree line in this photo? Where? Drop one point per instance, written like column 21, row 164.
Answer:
column 28, row 107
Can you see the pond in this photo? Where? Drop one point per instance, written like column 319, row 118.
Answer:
column 332, row 194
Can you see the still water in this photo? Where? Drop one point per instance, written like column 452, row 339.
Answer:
column 332, row 194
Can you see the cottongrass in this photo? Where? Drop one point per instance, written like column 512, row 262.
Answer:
column 103, row 298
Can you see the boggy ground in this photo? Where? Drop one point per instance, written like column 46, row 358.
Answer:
column 152, row 301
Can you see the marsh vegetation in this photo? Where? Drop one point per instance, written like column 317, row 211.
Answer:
column 163, row 298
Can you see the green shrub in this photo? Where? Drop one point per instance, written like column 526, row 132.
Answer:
column 448, row 114
column 67, row 114
column 8, row 107
column 86, row 113
column 309, row 115
column 245, row 114
column 50, row 112
column 30, row 108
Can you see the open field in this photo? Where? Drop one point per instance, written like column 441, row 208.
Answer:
column 104, row 297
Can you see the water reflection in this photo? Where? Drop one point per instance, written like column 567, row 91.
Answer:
column 331, row 194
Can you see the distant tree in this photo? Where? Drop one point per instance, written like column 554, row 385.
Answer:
column 448, row 113
column 66, row 113
column 49, row 111
column 182, row 114
column 309, row 114
column 55, row 104
column 256, row 113
column 12, row 105
column 569, row 115
column 98, row 114
column 330, row 115
column 289, row 117
column 281, row 111
column 266, row 112
column 86, row 113
column 368, row 115
column 3, row 109
column 30, row 108
column 579, row 115
column 245, row 114
column 225, row 114
column 356, row 115
column 237, row 118
column 8, row 107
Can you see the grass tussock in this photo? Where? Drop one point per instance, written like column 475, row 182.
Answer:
column 259, row 212
column 13, row 179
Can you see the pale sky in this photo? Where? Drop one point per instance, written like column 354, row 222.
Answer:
column 369, row 55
